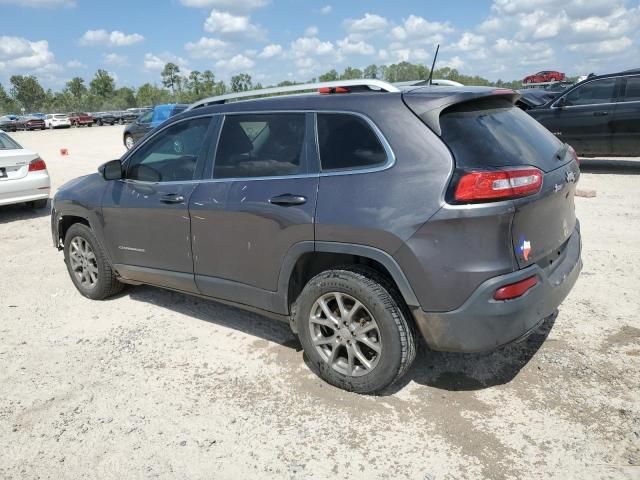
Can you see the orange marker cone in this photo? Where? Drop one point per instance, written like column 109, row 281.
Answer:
column 64, row 152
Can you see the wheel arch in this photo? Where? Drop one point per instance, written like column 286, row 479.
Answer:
column 306, row 259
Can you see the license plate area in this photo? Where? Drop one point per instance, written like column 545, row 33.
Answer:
column 3, row 172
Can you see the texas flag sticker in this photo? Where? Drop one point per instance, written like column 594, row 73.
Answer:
column 524, row 248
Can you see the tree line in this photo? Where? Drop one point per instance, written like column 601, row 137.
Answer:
column 101, row 93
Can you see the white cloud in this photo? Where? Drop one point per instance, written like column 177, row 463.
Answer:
column 370, row 23
column 469, row 42
column 270, row 51
column 236, row 63
column 241, row 6
column 614, row 45
column 349, row 47
column 208, row 48
column 115, row 59
column 226, row 23
column 75, row 64
column 40, row 3
column 311, row 31
column 20, row 53
column 158, row 61
column 455, row 62
column 417, row 29
column 110, row 39
column 326, row 10
column 310, row 47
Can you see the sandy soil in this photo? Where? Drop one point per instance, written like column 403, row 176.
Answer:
column 154, row 384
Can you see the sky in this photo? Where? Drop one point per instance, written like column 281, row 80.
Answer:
column 275, row 40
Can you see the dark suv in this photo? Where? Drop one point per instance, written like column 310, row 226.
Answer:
column 361, row 216
column 599, row 116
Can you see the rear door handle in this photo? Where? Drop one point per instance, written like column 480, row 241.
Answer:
column 288, row 200
column 172, row 198
column 600, row 114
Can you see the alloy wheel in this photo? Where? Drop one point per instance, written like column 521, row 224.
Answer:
column 345, row 334
column 84, row 264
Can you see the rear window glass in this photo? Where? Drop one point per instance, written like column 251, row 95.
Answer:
column 261, row 145
column 348, row 142
column 494, row 133
column 632, row 90
column 7, row 143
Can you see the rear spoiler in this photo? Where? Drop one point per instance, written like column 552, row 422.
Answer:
column 430, row 107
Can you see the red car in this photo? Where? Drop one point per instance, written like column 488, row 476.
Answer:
column 78, row 119
column 544, row 76
column 29, row 122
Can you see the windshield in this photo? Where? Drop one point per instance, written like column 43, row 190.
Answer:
column 7, row 143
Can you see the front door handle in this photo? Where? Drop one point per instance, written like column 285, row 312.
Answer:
column 600, row 114
column 288, row 200
column 172, row 198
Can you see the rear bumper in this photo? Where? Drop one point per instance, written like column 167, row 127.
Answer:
column 35, row 186
column 483, row 323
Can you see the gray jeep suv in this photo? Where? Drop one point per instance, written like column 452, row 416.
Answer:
column 362, row 214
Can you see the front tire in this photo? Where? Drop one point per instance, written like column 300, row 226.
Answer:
column 354, row 330
column 87, row 264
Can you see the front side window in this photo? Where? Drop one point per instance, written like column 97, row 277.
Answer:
column 348, row 142
column 261, row 145
column 592, row 93
column 632, row 90
column 171, row 155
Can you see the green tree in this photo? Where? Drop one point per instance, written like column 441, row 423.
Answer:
column 123, row 98
column 7, row 105
column 330, row 76
column 76, row 87
column 102, row 84
column 241, row 82
column 27, row 91
column 148, row 95
column 351, row 73
column 371, row 71
column 171, row 76
column 195, row 84
column 208, row 83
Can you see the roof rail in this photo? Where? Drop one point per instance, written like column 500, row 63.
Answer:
column 376, row 85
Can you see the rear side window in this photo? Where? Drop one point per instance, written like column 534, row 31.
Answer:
column 7, row 143
column 592, row 93
column 494, row 133
column 261, row 145
column 348, row 142
column 632, row 90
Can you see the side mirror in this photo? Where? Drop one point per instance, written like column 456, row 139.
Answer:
column 561, row 102
column 111, row 170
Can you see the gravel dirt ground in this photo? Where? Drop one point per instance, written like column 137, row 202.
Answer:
column 155, row 384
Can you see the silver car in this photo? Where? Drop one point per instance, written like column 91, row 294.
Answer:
column 23, row 175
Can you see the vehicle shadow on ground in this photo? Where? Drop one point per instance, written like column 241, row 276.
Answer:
column 442, row 370
column 21, row 211
column 474, row 371
column 613, row 166
column 218, row 313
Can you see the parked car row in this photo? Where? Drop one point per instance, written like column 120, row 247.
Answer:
column 40, row 121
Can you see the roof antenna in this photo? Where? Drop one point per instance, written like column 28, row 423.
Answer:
column 430, row 81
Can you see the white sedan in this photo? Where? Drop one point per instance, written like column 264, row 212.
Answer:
column 57, row 120
column 23, row 175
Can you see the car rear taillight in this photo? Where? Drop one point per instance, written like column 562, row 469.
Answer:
column 573, row 154
column 515, row 290
column 37, row 165
column 478, row 186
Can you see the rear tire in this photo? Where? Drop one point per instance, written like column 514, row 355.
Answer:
column 367, row 342
column 87, row 264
